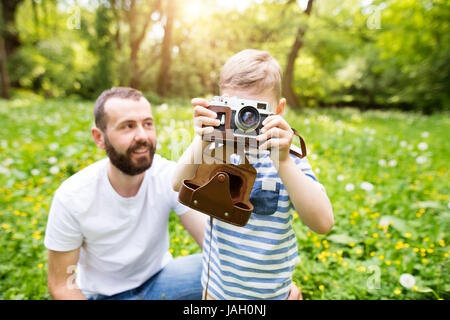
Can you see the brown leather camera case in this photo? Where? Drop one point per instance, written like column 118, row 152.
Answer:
column 221, row 191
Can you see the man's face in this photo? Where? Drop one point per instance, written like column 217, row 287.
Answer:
column 130, row 137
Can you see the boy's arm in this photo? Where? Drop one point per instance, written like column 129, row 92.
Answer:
column 188, row 163
column 310, row 202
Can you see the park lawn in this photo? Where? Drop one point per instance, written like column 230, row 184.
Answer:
column 385, row 174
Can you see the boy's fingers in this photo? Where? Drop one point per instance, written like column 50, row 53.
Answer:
column 200, row 102
column 271, row 133
column 200, row 121
column 202, row 131
column 202, row 111
column 276, row 121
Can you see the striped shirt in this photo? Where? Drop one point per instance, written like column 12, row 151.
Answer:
column 255, row 261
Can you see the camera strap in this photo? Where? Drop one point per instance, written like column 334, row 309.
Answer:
column 205, row 297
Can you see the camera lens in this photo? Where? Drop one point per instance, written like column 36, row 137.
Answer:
column 247, row 118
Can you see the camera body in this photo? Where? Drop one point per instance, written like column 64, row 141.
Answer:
column 239, row 118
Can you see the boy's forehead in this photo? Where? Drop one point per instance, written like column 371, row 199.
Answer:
column 265, row 95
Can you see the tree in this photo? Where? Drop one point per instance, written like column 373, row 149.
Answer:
column 163, row 78
column 288, row 90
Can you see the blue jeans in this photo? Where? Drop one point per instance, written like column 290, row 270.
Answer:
column 178, row 280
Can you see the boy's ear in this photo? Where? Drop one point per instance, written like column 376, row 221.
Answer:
column 97, row 134
column 281, row 106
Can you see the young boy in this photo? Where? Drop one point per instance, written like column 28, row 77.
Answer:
column 257, row 261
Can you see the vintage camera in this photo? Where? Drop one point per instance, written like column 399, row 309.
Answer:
column 239, row 118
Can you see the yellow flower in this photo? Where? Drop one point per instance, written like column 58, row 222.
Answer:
column 372, row 253
column 375, row 235
column 408, row 235
column 345, row 264
column 171, row 250
column 5, row 226
column 352, row 244
column 359, row 251
column 424, row 260
column 397, row 262
column 442, row 243
column 40, row 265
column 397, row 291
column 305, row 278
column 415, row 288
column 321, row 287
column 184, row 252
column 416, row 249
column 388, row 235
column 381, row 257
column 430, row 250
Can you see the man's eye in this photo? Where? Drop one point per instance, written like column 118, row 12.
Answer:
column 129, row 126
column 149, row 124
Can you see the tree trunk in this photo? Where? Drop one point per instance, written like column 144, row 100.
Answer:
column 4, row 69
column 163, row 78
column 10, row 34
column 288, row 90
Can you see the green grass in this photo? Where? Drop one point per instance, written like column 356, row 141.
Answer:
column 400, row 226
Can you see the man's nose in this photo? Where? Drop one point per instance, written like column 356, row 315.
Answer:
column 140, row 135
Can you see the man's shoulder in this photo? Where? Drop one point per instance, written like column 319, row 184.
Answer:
column 82, row 184
column 161, row 166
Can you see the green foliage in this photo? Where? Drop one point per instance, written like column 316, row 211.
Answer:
column 383, row 54
column 385, row 174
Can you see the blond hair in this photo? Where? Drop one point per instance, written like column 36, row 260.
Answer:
column 252, row 69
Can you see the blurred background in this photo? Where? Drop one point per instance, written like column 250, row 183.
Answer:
column 367, row 84
column 362, row 53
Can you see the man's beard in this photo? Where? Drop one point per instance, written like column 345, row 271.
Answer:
column 125, row 163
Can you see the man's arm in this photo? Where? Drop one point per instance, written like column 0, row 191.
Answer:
column 61, row 279
column 195, row 224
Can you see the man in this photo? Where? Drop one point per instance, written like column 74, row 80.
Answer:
column 110, row 220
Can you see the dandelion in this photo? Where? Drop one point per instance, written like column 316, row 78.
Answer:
column 408, row 235
column 52, row 160
column 407, row 280
column 54, row 170
column 184, row 252
column 422, row 146
column 40, row 265
column 397, row 291
column 6, row 226
column 321, row 287
column 367, row 186
column 349, row 187
column 421, row 159
column 392, row 163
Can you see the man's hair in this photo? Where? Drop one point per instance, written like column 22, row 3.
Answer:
column 115, row 92
column 253, row 69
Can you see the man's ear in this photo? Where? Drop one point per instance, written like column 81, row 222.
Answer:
column 97, row 134
column 281, row 106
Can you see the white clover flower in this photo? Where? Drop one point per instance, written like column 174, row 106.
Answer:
column 422, row 146
column 35, row 172
column 314, row 156
column 53, row 146
column 4, row 171
column 340, row 177
column 407, row 280
column 425, row 134
column 384, row 222
column 317, row 170
column 339, row 132
column 421, row 159
column 52, row 160
column 392, row 163
column 54, row 170
column 366, row 186
column 339, row 123
column 403, row 143
column 382, row 162
column 349, row 187
column 306, row 121
column 8, row 161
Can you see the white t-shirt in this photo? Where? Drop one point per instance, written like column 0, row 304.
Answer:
column 123, row 241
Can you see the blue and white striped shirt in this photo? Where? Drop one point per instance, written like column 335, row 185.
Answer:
column 255, row 261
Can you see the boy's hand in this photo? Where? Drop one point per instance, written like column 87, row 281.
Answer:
column 203, row 117
column 277, row 135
